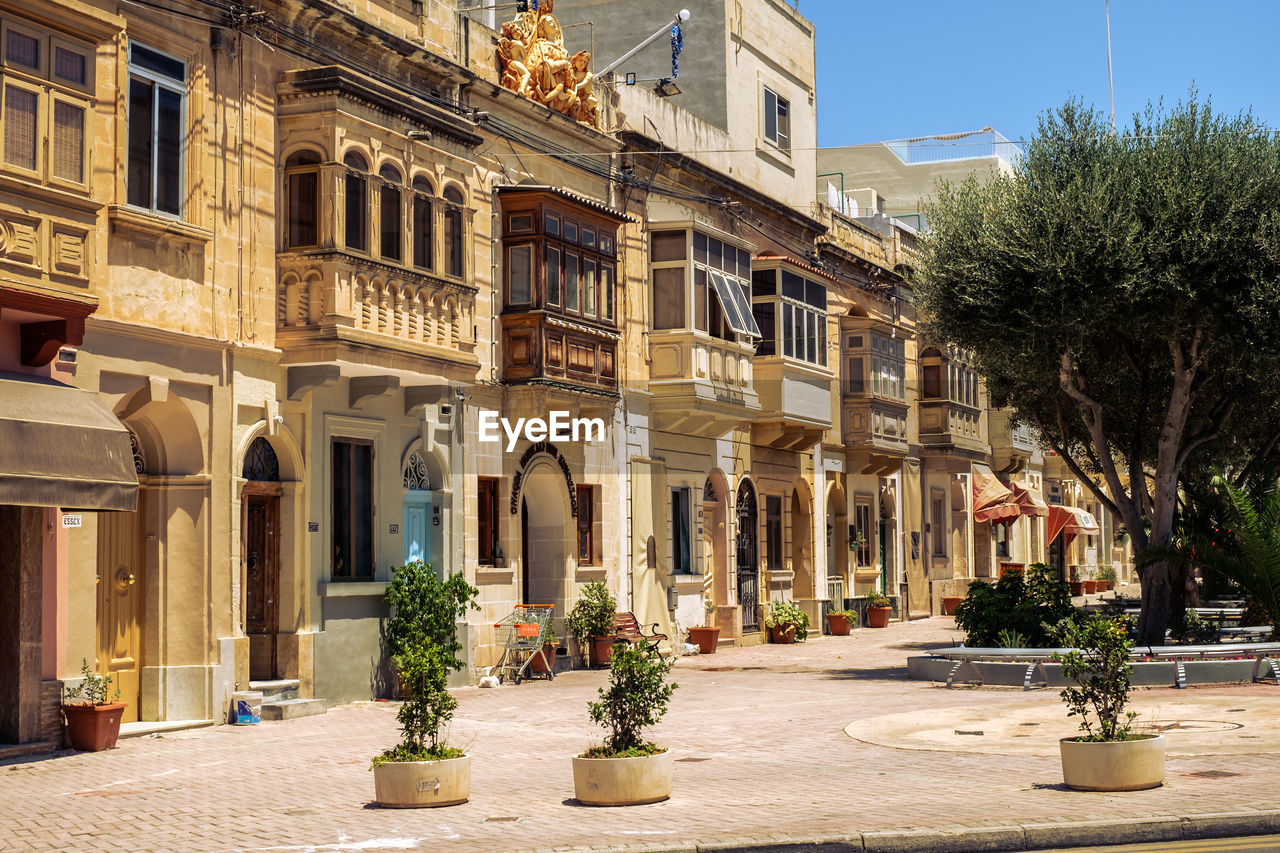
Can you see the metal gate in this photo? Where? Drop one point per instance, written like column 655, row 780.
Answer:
column 748, row 564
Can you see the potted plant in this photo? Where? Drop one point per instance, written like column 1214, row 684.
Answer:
column 856, row 539
column 626, row 770
column 840, row 621
column 1107, row 576
column 591, row 621
column 950, row 603
column 879, row 609
column 421, row 639
column 786, row 622
column 1108, row 756
column 93, row 722
column 707, row 637
column 545, row 662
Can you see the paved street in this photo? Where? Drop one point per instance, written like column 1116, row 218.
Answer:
column 761, row 748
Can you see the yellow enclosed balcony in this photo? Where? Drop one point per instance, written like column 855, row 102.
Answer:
column 792, row 376
column 951, row 413
column 874, row 405
column 703, row 334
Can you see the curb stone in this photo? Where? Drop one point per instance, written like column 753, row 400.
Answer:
column 978, row 839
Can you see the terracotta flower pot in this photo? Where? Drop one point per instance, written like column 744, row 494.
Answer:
column 878, row 617
column 536, row 664
column 1077, row 587
column 838, row 624
column 601, row 650
column 707, row 637
column 93, row 728
column 950, row 603
column 780, row 634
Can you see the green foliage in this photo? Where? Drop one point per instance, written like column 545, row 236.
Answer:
column 1008, row 639
column 1026, row 604
column 548, row 633
column 1142, row 267
column 878, row 599
column 93, row 689
column 1193, row 628
column 592, row 614
column 1107, row 572
column 1099, row 665
column 1245, row 548
column 636, row 698
column 787, row 614
column 422, row 641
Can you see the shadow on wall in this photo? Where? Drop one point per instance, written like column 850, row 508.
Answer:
column 383, row 681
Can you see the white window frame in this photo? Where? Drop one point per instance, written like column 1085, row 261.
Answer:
column 160, row 80
column 780, row 139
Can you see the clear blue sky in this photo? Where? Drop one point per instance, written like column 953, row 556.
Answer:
column 893, row 70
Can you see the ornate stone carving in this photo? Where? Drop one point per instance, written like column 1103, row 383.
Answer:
column 535, row 63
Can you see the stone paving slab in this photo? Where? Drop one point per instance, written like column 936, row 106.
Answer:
column 762, row 763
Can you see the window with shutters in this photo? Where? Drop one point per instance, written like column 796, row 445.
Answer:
column 352, row 509
column 157, row 125
column 45, row 84
column 703, row 283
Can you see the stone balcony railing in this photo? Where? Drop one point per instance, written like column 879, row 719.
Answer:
column 947, row 424
column 322, row 296
column 704, row 384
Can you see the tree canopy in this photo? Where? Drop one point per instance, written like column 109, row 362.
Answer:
column 1121, row 291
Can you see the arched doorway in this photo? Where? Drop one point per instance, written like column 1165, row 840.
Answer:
column 122, row 593
column 418, row 512
column 547, row 536
column 748, row 561
column 837, row 543
column 261, row 548
column 802, row 587
column 715, row 507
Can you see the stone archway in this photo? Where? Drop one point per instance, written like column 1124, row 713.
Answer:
column 547, row 535
column 837, row 544
column 802, row 579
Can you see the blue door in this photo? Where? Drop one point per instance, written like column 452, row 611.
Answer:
column 417, row 527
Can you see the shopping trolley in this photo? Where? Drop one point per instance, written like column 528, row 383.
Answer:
column 525, row 628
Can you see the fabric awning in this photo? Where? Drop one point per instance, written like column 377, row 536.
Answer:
column 1070, row 521
column 61, row 446
column 1030, row 501
column 992, row 500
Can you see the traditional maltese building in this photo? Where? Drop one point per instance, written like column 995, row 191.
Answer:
column 343, row 286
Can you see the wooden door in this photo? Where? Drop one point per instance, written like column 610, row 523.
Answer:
column 262, row 583
column 121, row 604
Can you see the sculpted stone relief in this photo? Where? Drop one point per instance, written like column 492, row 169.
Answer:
column 535, row 64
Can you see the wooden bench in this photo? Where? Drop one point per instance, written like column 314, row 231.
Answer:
column 625, row 627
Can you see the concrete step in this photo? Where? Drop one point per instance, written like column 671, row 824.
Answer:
column 290, row 709
column 726, row 643
column 23, row 750
column 276, row 690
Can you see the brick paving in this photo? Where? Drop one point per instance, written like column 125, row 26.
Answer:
column 759, row 742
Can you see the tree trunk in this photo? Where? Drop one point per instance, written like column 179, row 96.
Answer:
column 1156, row 595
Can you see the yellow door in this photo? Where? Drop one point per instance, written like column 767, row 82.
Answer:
column 120, row 604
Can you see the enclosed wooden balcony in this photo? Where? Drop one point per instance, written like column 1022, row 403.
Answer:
column 874, row 402
column 947, row 426
column 1012, row 446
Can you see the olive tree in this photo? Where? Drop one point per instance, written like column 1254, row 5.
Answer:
column 1120, row 291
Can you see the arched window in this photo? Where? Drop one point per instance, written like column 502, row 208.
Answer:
column 357, row 236
column 423, row 226
column 453, row 243
column 415, row 473
column 302, row 195
column 260, row 462
column 389, row 214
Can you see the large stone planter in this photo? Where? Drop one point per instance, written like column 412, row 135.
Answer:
column 622, row 781
column 422, row 784
column 1128, row 765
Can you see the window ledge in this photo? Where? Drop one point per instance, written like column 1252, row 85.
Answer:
column 686, row 578
column 161, row 226
column 781, row 157
column 591, row 573
column 352, row 589
column 495, row 575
